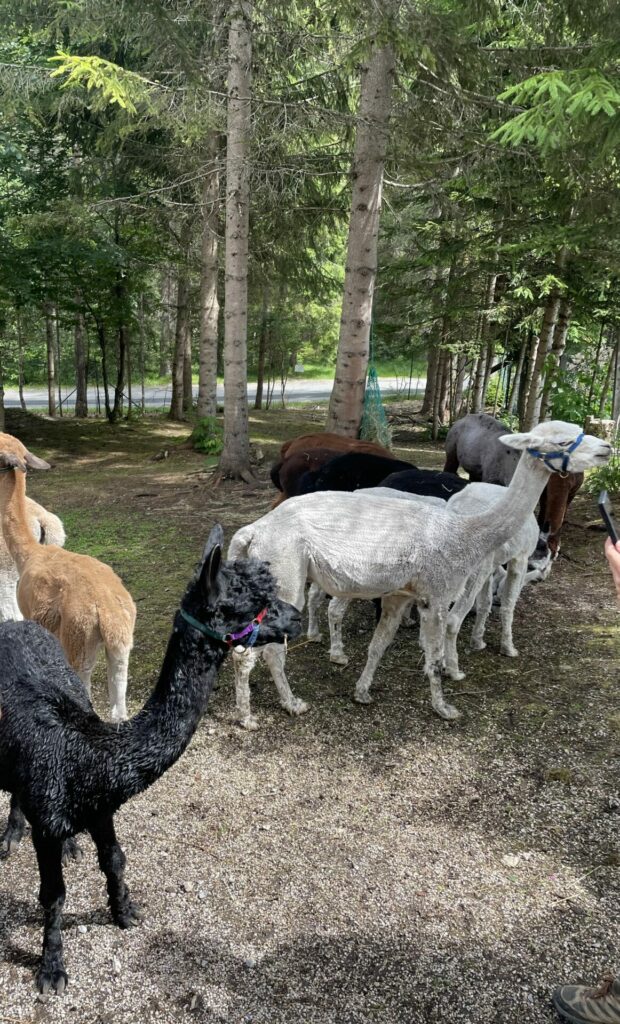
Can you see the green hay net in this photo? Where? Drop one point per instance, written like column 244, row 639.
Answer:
column 374, row 426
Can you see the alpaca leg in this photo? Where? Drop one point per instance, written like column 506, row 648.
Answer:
column 335, row 614
column 408, row 619
column 9, row 608
column 71, row 852
column 51, row 973
column 433, row 629
column 315, row 596
column 484, row 603
column 125, row 912
column 243, row 663
column 118, row 668
column 393, row 608
column 456, row 616
column 83, row 661
column 513, row 585
column 15, row 826
column 275, row 658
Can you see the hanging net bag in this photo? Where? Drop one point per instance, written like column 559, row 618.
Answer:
column 374, row 426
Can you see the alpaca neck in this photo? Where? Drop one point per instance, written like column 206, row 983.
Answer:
column 505, row 516
column 14, row 517
column 157, row 736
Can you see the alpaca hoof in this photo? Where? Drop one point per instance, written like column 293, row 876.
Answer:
column 454, row 673
column 118, row 715
column 339, row 659
column 362, row 698
column 250, row 722
column 129, row 915
column 52, row 979
column 448, row 712
column 7, row 847
column 297, row 707
column 71, row 852
column 509, row 652
column 477, row 645
column 314, row 638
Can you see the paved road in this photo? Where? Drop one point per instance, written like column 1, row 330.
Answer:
column 158, row 398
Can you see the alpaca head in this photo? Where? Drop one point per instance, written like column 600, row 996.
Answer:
column 228, row 596
column 561, row 447
column 15, row 455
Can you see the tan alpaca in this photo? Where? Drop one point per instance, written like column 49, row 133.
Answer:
column 46, row 528
column 79, row 599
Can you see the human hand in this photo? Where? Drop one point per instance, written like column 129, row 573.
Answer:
column 612, row 554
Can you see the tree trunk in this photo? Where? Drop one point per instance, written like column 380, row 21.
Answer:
column 209, row 305
column 459, row 383
column 235, row 458
column 188, row 391
column 547, row 331
column 558, row 346
column 615, row 405
column 142, row 351
column 262, row 349
column 58, row 361
column 166, row 334
column 180, row 341
column 431, row 377
column 103, row 346
column 516, row 380
column 81, row 392
column 526, row 376
column 20, row 358
column 347, row 398
column 2, row 418
column 487, row 347
column 51, row 359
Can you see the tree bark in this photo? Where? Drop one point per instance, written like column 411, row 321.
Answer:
column 487, row 347
column 235, row 458
column 58, row 361
column 166, row 334
column 188, row 392
column 2, row 417
column 103, row 346
column 615, row 405
column 180, row 341
column 547, row 330
column 526, row 377
column 51, row 359
column 558, row 346
column 20, row 358
column 209, row 305
column 81, row 391
column 347, row 398
column 262, row 349
column 516, row 380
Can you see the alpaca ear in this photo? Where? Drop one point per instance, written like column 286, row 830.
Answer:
column 210, row 570
column 519, row 441
column 35, row 462
column 11, row 461
column 211, row 559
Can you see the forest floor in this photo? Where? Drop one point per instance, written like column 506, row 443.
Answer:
column 357, row 865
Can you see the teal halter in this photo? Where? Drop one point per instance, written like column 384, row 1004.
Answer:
column 548, row 457
column 250, row 631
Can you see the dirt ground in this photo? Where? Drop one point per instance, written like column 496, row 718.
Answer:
column 357, row 865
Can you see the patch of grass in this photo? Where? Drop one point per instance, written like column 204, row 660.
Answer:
column 559, row 774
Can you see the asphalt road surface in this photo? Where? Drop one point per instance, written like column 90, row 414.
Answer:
column 159, row 397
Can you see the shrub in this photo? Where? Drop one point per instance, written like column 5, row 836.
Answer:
column 207, row 436
column 607, row 477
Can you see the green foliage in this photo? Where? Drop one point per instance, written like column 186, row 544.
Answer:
column 111, row 83
column 207, row 436
column 607, row 477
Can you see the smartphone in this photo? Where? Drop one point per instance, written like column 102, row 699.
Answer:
column 604, row 505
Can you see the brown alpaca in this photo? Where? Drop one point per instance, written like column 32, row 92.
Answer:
column 79, row 599
column 310, row 452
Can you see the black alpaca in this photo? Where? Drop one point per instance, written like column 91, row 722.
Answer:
column 428, row 482
column 69, row 772
column 351, row 471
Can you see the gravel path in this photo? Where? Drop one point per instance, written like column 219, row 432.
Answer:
column 365, row 864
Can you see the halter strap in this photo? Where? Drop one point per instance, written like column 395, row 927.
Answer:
column 548, row 457
column 251, row 630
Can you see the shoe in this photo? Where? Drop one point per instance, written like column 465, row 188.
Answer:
column 581, row 1005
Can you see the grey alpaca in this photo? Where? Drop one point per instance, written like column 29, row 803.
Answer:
column 68, row 771
column 393, row 549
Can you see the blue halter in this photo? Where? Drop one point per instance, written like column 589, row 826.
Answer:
column 548, row 457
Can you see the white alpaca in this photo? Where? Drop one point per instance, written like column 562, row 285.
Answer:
column 46, row 528
column 386, row 548
column 516, row 551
